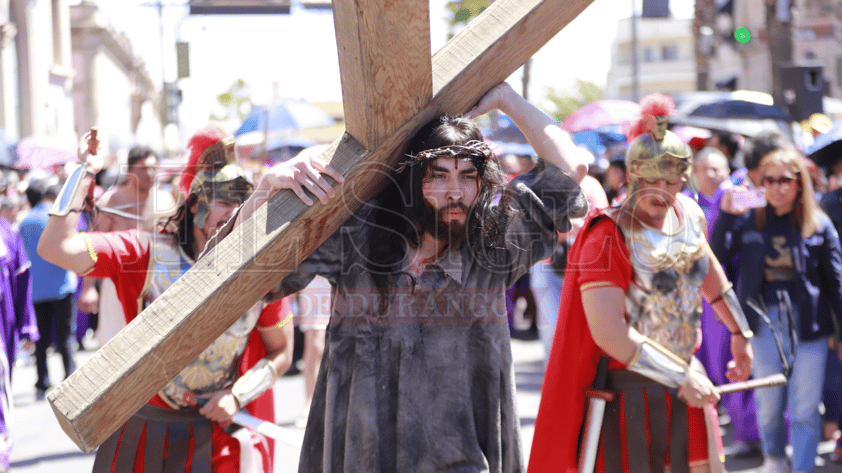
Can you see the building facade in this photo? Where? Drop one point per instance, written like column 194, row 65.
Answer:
column 112, row 89
column 35, row 70
column 814, row 30
column 63, row 69
column 666, row 61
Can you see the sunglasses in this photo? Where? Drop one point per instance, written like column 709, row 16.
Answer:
column 783, row 180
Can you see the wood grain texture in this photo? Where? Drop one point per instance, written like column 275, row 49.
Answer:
column 384, row 64
column 101, row 395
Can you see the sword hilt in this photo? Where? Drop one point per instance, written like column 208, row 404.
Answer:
column 607, row 396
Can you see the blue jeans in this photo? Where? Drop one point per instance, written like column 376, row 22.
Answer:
column 801, row 395
column 546, row 285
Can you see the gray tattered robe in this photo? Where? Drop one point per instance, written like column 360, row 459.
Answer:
column 427, row 387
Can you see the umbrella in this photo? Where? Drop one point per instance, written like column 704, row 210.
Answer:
column 505, row 147
column 694, row 137
column 41, row 154
column 598, row 141
column 686, row 103
column 279, row 120
column 739, row 126
column 283, row 148
column 602, row 113
column 827, row 148
column 730, row 108
column 508, row 139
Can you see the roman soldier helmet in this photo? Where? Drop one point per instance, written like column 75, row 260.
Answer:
column 211, row 172
column 655, row 152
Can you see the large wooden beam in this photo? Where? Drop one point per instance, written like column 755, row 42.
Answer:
column 95, row 400
column 384, row 64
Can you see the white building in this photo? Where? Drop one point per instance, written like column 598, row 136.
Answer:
column 35, row 71
column 666, row 61
column 112, row 89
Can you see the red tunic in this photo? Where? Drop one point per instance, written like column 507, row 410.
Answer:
column 124, row 258
column 598, row 257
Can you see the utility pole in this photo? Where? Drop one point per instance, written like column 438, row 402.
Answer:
column 635, row 66
column 169, row 91
column 705, row 41
column 779, row 28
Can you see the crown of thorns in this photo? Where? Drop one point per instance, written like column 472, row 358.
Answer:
column 471, row 149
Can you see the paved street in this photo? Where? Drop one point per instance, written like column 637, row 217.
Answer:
column 40, row 446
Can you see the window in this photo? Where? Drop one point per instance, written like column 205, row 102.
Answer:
column 669, row 52
column 649, row 54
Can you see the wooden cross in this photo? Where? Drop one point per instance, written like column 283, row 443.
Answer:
column 391, row 87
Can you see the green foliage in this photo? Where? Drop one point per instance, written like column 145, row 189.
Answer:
column 235, row 102
column 463, row 11
column 567, row 102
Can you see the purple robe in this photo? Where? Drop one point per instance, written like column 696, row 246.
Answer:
column 16, row 313
column 17, row 316
column 715, row 350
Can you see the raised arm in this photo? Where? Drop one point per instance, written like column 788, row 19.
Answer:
column 297, row 174
column 550, row 142
column 60, row 244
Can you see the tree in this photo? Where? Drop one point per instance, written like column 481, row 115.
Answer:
column 462, row 12
column 236, row 102
column 567, row 102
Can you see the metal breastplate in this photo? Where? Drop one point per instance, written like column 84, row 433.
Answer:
column 217, row 366
column 663, row 300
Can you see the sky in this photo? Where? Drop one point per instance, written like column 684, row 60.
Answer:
column 295, row 55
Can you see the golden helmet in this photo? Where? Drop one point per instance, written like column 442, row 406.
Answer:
column 657, row 153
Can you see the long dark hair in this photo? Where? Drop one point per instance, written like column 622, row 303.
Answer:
column 400, row 206
column 180, row 226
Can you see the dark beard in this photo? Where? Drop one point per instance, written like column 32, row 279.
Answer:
column 434, row 224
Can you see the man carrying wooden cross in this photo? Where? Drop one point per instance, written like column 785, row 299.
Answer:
column 169, row 433
column 417, row 370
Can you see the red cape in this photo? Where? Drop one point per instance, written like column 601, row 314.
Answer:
column 571, row 368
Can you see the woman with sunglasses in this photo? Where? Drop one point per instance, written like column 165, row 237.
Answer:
column 790, row 277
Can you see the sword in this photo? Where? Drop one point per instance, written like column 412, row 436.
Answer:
column 598, row 397
column 772, row 380
column 273, row 431
column 120, row 213
column 269, row 429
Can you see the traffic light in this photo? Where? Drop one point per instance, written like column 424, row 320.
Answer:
column 170, row 102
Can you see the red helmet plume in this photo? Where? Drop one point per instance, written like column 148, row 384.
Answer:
column 653, row 105
column 197, row 145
